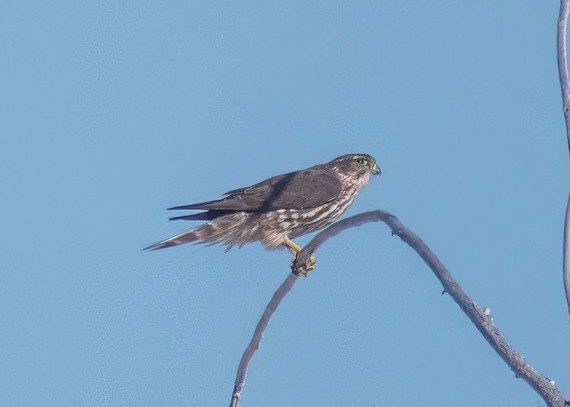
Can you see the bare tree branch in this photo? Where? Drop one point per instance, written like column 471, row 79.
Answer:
column 479, row 316
column 566, row 251
column 564, row 87
column 283, row 289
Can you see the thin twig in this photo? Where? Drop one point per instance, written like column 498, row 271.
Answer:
column 257, row 334
column 564, row 87
column 566, row 251
column 479, row 316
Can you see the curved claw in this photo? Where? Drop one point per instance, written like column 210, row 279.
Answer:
column 303, row 269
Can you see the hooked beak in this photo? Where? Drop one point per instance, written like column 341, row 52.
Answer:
column 376, row 170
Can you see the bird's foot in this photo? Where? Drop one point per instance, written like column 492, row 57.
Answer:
column 303, row 268
column 300, row 269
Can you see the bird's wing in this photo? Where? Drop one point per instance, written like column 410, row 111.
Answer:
column 303, row 189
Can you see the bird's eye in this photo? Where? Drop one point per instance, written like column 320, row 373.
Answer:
column 361, row 160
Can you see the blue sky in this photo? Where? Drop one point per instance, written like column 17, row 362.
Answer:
column 111, row 112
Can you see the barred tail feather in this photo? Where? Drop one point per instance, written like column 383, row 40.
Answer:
column 186, row 237
column 227, row 229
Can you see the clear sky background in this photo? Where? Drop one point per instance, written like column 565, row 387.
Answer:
column 111, row 112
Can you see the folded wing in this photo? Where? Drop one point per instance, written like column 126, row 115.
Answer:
column 306, row 189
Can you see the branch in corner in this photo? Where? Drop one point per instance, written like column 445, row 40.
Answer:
column 564, row 87
column 479, row 316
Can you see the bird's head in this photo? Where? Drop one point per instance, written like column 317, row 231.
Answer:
column 359, row 167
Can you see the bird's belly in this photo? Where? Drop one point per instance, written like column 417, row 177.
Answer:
column 296, row 222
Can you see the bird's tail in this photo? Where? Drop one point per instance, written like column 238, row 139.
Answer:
column 186, row 237
column 228, row 229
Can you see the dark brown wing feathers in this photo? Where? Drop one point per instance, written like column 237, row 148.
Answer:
column 303, row 189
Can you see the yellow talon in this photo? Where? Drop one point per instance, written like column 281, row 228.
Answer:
column 302, row 269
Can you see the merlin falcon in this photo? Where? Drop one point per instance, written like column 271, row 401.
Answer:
column 280, row 208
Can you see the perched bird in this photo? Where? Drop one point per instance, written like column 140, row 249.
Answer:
column 280, row 208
